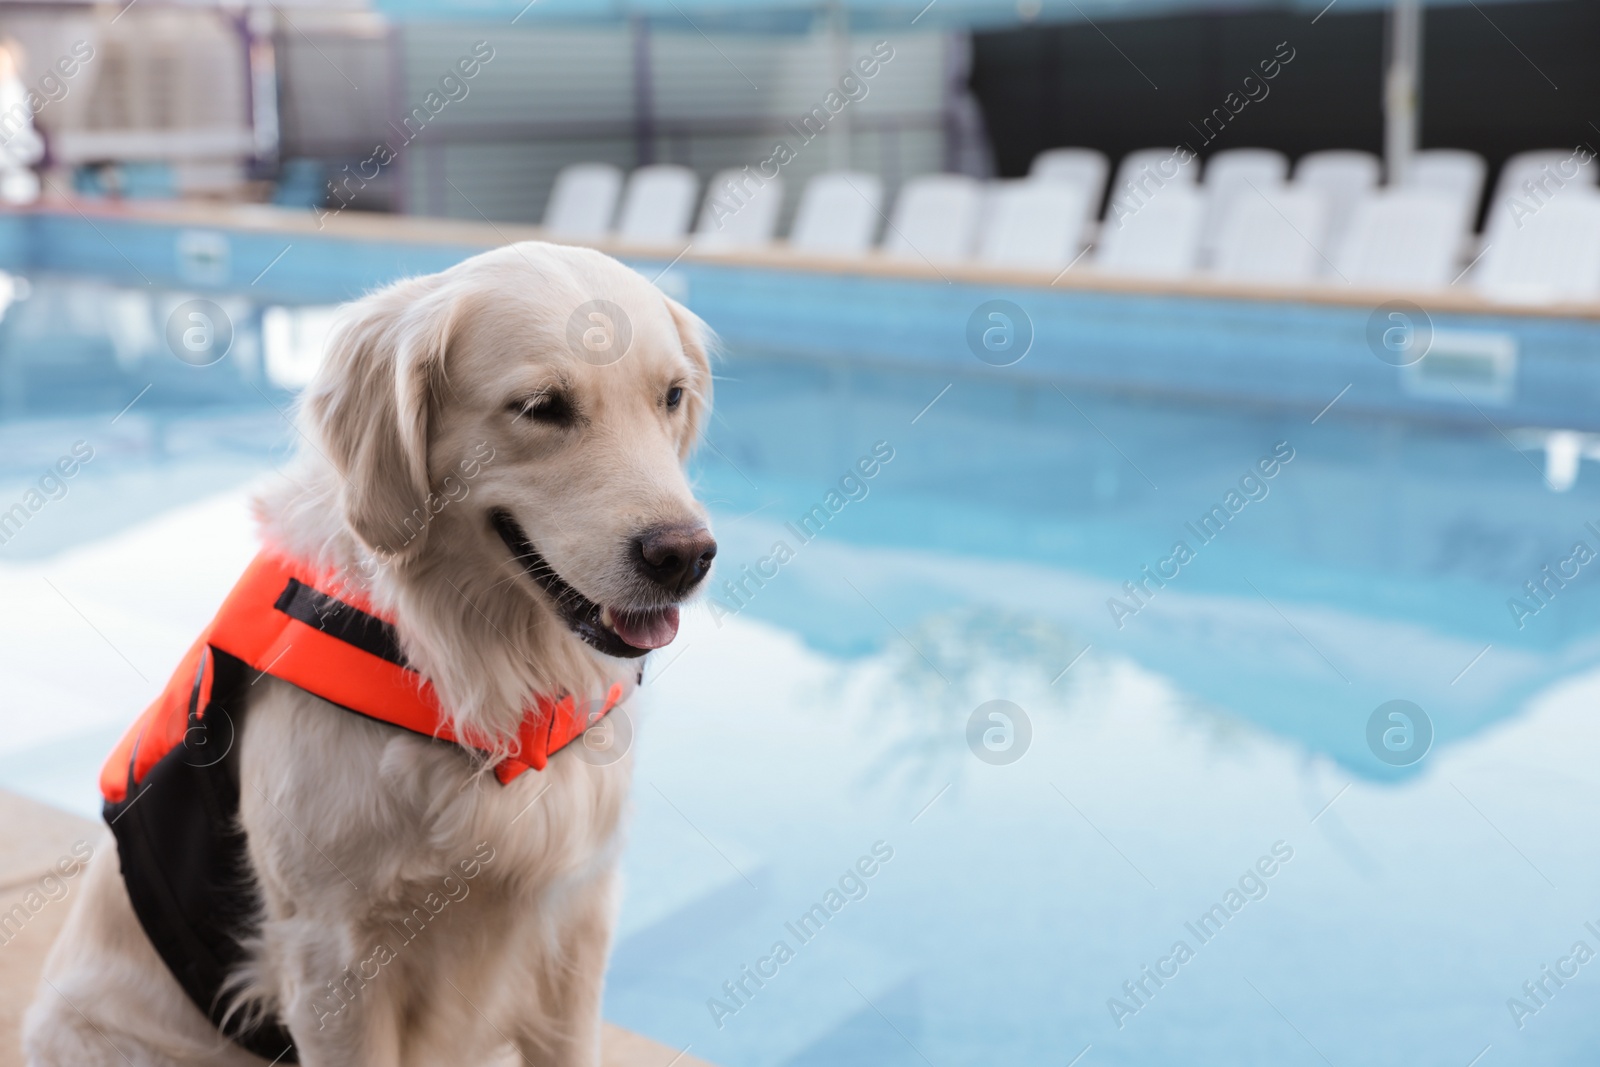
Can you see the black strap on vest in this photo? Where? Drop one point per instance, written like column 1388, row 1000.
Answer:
column 336, row 618
column 183, row 857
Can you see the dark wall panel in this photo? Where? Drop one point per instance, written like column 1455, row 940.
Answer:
column 1532, row 83
column 1489, row 72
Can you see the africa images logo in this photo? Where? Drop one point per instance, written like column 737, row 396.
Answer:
column 199, row 332
column 1399, row 733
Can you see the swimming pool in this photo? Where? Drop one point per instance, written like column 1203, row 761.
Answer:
column 1186, row 761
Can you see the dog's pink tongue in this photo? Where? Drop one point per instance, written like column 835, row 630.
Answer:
column 646, row 629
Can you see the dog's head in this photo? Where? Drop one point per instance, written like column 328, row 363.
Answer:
column 524, row 418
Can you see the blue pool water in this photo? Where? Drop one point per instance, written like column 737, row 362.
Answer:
column 818, row 724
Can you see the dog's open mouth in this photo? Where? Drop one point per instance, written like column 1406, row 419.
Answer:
column 622, row 632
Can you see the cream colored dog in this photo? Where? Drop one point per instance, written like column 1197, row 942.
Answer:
column 564, row 562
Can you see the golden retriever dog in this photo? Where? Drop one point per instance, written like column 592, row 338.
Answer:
column 564, row 560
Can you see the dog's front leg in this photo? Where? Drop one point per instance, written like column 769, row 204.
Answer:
column 339, row 1015
column 573, row 983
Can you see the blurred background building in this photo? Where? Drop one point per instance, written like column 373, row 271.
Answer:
column 273, row 101
column 365, row 109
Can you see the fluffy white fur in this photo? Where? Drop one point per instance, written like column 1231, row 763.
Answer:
column 352, row 824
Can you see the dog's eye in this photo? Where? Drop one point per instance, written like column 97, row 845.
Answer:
column 552, row 408
column 674, row 397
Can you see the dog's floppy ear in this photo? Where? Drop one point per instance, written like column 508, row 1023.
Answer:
column 371, row 403
column 698, row 342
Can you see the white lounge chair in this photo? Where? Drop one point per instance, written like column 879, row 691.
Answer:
column 1143, row 174
column 1034, row 225
column 1528, row 180
column 1547, row 168
column 1553, row 256
column 1230, row 175
column 583, row 201
column 1275, row 238
column 740, row 211
column 1403, row 238
column 1447, row 168
column 838, row 215
column 1158, row 238
column 1170, row 164
column 935, row 219
column 1343, row 177
column 1450, row 170
column 657, row 205
column 1087, row 167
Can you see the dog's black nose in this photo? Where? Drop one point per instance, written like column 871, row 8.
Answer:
column 675, row 557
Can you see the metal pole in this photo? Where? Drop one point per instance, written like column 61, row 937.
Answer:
column 644, row 93
column 1402, row 88
column 839, row 47
column 407, row 190
column 258, row 26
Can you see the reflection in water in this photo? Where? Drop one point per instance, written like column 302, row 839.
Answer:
column 928, row 684
column 1379, row 568
column 73, row 345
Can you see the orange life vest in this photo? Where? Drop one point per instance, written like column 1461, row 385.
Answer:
column 172, row 801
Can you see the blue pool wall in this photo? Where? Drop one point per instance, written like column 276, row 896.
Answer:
column 1254, row 351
